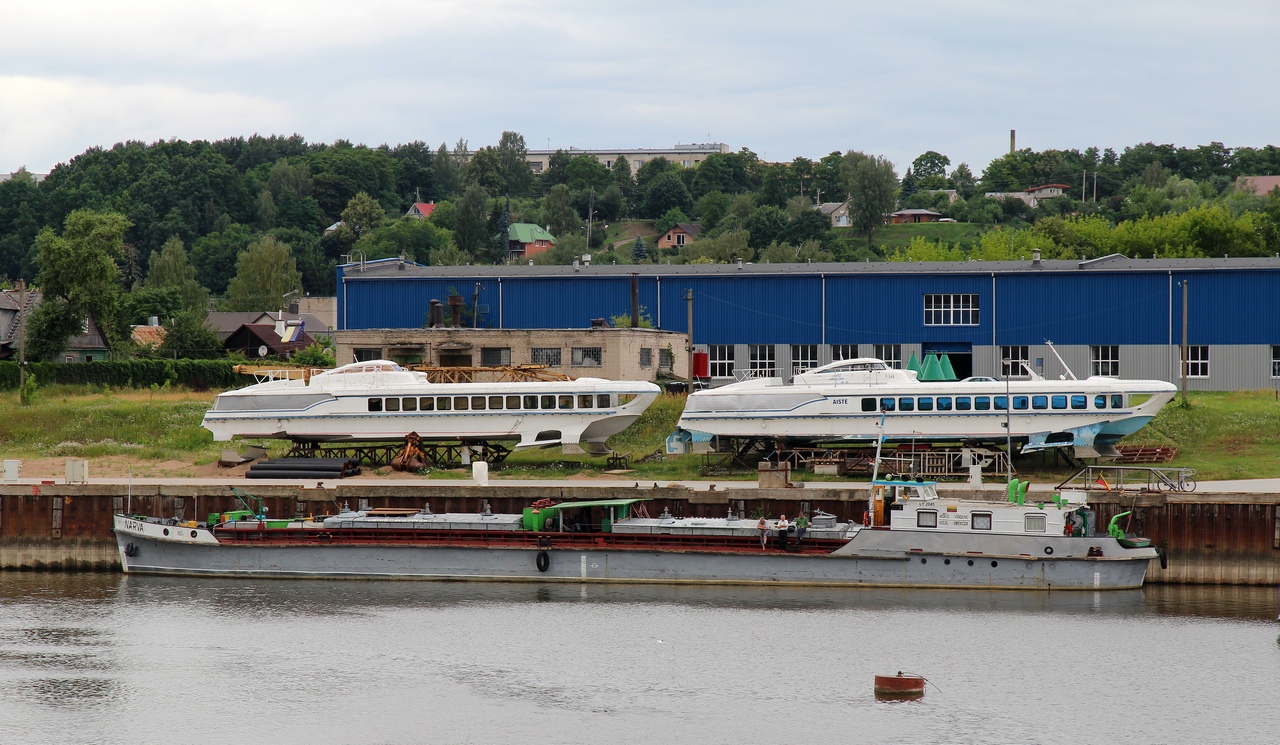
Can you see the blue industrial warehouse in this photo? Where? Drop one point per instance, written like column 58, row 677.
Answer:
column 1105, row 316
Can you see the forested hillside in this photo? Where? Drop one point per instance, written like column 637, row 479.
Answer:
column 138, row 229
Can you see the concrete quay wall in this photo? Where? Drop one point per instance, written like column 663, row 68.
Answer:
column 1222, row 538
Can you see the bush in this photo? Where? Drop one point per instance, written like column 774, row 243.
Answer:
column 194, row 374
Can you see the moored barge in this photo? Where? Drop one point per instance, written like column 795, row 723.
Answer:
column 912, row 537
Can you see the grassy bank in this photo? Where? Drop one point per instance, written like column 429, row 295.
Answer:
column 1221, row 435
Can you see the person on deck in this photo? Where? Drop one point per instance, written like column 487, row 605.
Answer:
column 802, row 526
column 763, row 527
column 783, row 527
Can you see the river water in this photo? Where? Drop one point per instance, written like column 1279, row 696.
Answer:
column 111, row 659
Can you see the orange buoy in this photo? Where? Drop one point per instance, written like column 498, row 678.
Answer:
column 899, row 686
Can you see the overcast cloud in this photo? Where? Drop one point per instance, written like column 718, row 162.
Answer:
column 784, row 79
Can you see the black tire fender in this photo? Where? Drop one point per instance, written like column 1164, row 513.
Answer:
column 543, row 561
column 1048, row 550
column 130, row 550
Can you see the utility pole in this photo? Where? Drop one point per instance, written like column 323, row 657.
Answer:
column 1184, row 341
column 22, row 342
column 1083, row 191
column 1095, row 186
column 688, row 297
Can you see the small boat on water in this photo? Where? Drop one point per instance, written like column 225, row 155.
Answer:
column 379, row 400
column 912, row 537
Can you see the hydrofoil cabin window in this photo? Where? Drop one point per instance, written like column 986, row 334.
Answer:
column 477, row 403
column 1059, row 402
column 586, row 357
column 906, row 404
column 1099, row 402
column 951, row 310
column 963, row 403
column 720, row 357
column 1197, row 361
column 1012, row 360
column 1105, row 360
column 1034, row 524
column 803, row 357
column 1001, row 403
column 495, row 402
column 868, row 404
column 763, row 361
column 461, row 403
column 1117, row 400
column 849, row 352
column 444, row 403
column 886, row 404
column 944, row 403
column 548, row 402
column 584, row 401
column 549, row 356
column 980, row 521
column 375, row 404
column 925, row 403
column 602, row 400
column 531, row 402
column 1039, row 402
column 495, row 356
column 1019, row 402
column 410, row 404
column 927, row 519
column 982, row 403
column 427, row 404
column 565, row 401
column 513, row 402
column 393, row 404
column 890, row 354
column 1079, row 402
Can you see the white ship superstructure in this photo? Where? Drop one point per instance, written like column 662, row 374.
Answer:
column 859, row 399
column 379, row 400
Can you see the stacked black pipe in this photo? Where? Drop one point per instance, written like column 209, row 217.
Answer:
column 303, row 468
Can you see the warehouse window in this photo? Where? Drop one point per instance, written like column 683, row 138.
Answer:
column 763, row 362
column 366, row 354
column 720, row 357
column 1106, row 360
column 843, row 352
column 951, row 310
column 890, row 354
column 803, row 357
column 1197, row 361
column 495, row 356
column 1275, row 361
column 1012, row 359
column 646, row 357
column 666, row 360
column 586, row 356
column 545, row 356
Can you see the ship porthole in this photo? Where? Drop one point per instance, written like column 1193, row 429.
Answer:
column 166, row 531
column 924, row 561
column 193, row 534
column 1048, row 550
column 946, row 561
column 995, row 563
column 970, row 562
column 543, row 561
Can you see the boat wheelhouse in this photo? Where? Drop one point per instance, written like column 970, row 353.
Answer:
column 379, row 400
column 864, row 399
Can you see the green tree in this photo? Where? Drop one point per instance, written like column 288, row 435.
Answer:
column 666, row 191
column 870, row 182
column 585, row 172
column 79, row 268
column 669, row 219
column 447, row 178
column 513, row 164
column 929, row 164
column 265, row 274
column 214, row 255
column 908, row 187
column 471, row 225
column 710, row 209
column 140, row 305
column 722, row 249
column 170, row 268
column 363, row 215
column 187, row 337
column 611, row 204
column 765, row 225
column 557, row 170
column 315, row 355
column 786, row 253
column 622, row 178
column 484, row 169
column 639, row 251
column 416, row 240
column 557, row 208
column 649, row 170
column 962, row 181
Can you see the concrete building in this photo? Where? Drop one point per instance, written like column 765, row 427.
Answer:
column 600, row 352
column 1106, row 316
column 1260, row 185
column 838, row 212
column 682, row 155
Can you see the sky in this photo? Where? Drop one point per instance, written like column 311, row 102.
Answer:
column 785, row 79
